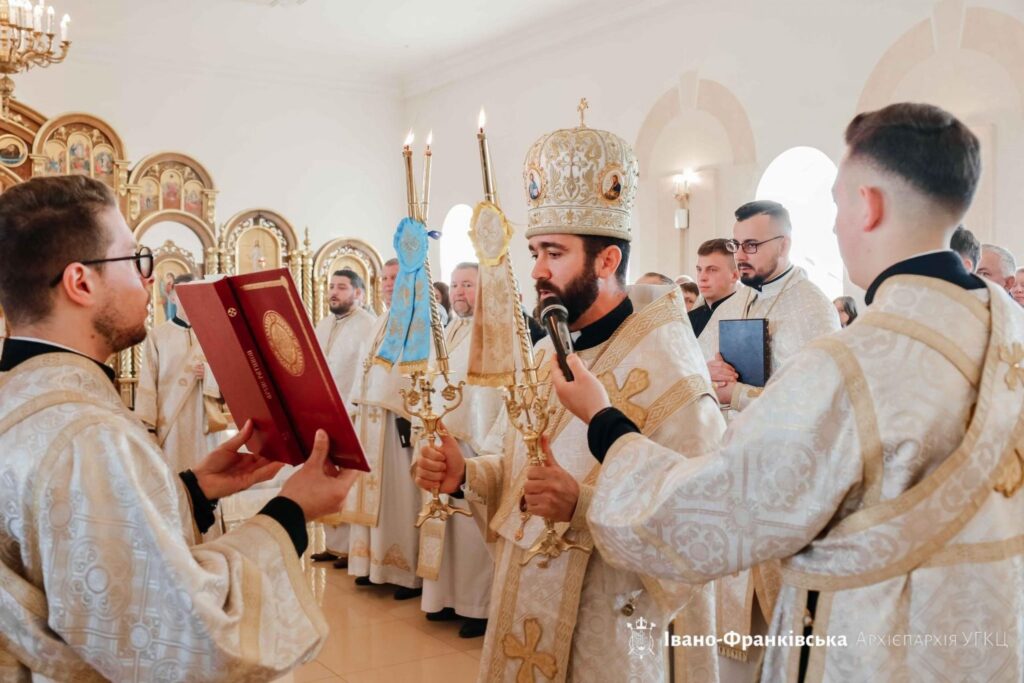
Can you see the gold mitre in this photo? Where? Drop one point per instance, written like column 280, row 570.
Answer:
column 580, row 181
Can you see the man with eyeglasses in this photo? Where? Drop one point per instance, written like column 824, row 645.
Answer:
column 796, row 309
column 175, row 387
column 102, row 574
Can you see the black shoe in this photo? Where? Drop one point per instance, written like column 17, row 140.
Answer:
column 404, row 593
column 447, row 614
column 363, row 581
column 341, row 563
column 323, row 557
column 473, row 628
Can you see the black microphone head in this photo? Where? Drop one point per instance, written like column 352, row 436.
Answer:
column 553, row 306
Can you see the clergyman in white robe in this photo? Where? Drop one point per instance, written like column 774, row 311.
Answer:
column 170, row 398
column 383, row 504
column 341, row 338
column 464, row 568
column 99, row 575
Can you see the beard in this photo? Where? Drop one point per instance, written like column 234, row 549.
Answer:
column 119, row 333
column 756, row 278
column 578, row 296
column 462, row 309
column 341, row 308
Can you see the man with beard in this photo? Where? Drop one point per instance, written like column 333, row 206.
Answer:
column 454, row 551
column 798, row 312
column 573, row 617
column 882, row 465
column 174, row 385
column 341, row 335
column 101, row 577
column 796, row 309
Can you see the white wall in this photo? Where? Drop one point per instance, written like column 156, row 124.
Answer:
column 325, row 157
column 325, row 152
column 798, row 68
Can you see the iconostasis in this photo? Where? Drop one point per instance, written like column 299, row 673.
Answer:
column 169, row 201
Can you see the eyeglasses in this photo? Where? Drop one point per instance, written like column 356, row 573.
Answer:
column 749, row 246
column 143, row 258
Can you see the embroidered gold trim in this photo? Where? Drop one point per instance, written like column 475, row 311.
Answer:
column 977, row 553
column 975, row 306
column 527, row 651
column 936, row 341
column 863, row 413
column 636, row 382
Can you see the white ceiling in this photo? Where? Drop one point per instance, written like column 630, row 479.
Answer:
column 348, row 42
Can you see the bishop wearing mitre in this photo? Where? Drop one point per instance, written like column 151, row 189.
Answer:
column 882, row 465
column 573, row 618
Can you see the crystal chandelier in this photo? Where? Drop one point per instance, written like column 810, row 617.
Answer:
column 27, row 40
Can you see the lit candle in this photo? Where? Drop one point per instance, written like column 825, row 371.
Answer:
column 49, row 20
column 37, row 18
column 485, row 159
column 426, row 178
column 64, row 28
column 4, row 10
column 410, row 186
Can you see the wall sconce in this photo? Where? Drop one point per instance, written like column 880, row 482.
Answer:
column 681, row 188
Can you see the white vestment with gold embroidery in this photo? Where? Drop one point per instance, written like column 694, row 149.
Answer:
column 884, row 466
column 798, row 312
column 569, row 621
column 341, row 340
column 170, row 398
column 383, row 503
column 454, row 561
column 98, row 575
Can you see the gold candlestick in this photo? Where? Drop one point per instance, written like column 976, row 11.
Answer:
column 485, row 161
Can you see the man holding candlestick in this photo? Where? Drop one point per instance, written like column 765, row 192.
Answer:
column 454, row 552
column 574, row 618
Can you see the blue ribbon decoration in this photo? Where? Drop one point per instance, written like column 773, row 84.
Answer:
column 408, row 337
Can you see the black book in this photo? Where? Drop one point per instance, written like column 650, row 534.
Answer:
column 744, row 345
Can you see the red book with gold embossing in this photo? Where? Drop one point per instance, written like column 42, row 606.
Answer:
column 259, row 342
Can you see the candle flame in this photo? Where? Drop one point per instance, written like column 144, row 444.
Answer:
column 430, row 138
column 409, row 138
column 482, row 119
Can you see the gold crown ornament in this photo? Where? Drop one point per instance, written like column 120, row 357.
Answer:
column 580, row 181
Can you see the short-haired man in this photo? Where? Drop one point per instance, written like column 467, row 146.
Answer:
column 653, row 278
column 570, row 613
column 102, row 577
column 388, row 275
column 717, row 278
column 998, row 265
column 691, row 292
column 881, row 466
column 341, row 335
column 175, row 384
column 796, row 309
column 1017, row 291
column 964, row 243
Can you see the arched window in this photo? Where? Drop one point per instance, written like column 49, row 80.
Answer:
column 456, row 246
column 801, row 180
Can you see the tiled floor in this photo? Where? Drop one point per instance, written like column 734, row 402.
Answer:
column 376, row 639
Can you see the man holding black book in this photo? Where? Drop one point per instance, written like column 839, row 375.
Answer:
column 779, row 296
column 101, row 572
column 883, row 465
column 574, row 616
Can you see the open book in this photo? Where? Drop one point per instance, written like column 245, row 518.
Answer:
column 261, row 348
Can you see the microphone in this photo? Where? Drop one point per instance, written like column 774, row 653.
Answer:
column 555, row 317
